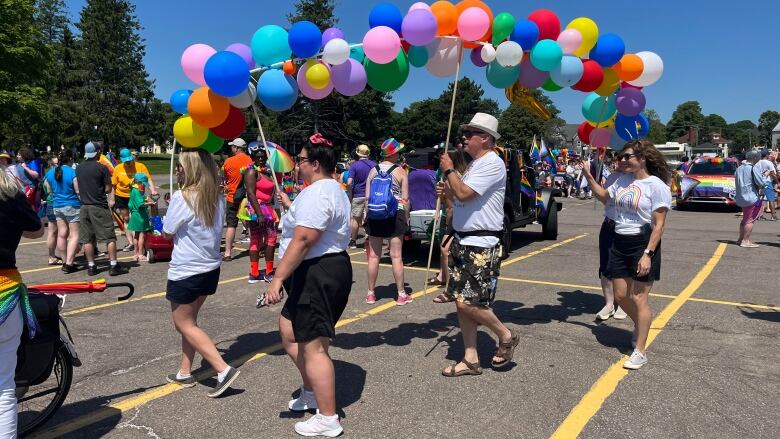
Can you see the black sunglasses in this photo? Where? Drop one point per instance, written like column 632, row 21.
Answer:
column 469, row 133
column 625, row 157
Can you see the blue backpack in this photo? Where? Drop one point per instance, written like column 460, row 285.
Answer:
column 382, row 204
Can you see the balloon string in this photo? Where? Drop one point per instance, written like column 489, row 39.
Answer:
column 600, row 167
column 173, row 153
column 262, row 138
column 437, row 214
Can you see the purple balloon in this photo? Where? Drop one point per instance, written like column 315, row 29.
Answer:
column 530, row 76
column 349, row 78
column 243, row 51
column 419, row 27
column 331, row 34
column 309, row 91
column 476, row 57
column 630, row 101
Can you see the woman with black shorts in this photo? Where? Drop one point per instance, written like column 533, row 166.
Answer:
column 316, row 272
column 194, row 222
column 641, row 199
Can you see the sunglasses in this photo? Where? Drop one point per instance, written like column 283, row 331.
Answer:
column 301, row 159
column 469, row 133
column 625, row 157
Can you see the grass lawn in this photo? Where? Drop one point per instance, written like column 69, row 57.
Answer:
column 158, row 164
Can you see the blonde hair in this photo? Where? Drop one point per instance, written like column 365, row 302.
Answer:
column 200, row 188
column 9, row 186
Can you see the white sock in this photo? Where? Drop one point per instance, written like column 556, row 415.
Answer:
column 113, row 263
column 402, row 293
column 370, row 292
column 334, row 418
column 221, row 376
column 90, row 264
column 179, row 376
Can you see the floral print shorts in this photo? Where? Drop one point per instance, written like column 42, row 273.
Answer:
column 474, row 273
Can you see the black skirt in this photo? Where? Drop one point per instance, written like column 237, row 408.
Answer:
column 189, row 289
column 625, row 254
column 606, row 236
column 318, row 292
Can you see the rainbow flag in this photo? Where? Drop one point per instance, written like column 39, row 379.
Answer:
column 525, row 185
column 12, row 293
column 540, row 204
column 548, row 157
column 536, row 155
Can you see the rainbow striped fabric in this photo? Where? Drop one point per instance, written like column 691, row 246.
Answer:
column 525, row 185
column 13, row 292
column 540, row 204
column 713, row 186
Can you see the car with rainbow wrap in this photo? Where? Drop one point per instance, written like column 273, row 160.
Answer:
column 708, row 181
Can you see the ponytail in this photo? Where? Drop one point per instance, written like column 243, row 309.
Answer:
column 58, row 172
column 65, row 158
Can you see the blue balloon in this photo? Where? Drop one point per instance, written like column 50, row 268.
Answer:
column 179, row 100
column 526, row 34
column 270, row 46
column 546, row 55
column 277, row 90
column 305, row 39
column 569, row 72
column 632, row 127
column 608, row 50
column 386, row 14
column 501, row 77
column 357, row 54
column 226, row 73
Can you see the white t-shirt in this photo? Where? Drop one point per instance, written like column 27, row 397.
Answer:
column 487, row 177
column 764, row 166
column 609, row 207
column 322, row 206
column 636, row 200
column 195, row 245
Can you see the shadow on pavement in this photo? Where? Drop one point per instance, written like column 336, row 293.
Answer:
column 350, row 381
column 769, row 316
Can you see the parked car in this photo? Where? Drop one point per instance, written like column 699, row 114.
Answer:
column 708, row 181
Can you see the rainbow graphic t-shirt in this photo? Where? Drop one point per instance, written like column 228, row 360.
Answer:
column 634, row 202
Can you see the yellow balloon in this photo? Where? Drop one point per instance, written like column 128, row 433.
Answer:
column 318, row 76
column 610, row 83
column 589, row 31
column 188, row 133
column 609, row 123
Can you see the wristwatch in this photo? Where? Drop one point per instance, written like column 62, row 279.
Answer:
column 649, row 252
column 448, row 172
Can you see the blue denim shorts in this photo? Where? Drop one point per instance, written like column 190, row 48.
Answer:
column 69, row 214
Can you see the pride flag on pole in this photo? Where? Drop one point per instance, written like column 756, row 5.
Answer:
column 525, row 186
column 536, row 156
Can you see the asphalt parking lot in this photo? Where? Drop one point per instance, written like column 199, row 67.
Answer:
column 713, row 369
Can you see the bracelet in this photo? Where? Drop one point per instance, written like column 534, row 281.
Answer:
column 448, row 172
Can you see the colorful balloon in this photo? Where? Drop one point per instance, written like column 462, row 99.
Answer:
column 386, row 14
column 444, row 59
column 387, row 77
column 609, row 84
column 525, row 33
column 418, row 56
column 598, row 108
column 589, row 32
column 194, row 59
column 245, row 99
column 509, row 54
column 381, row 45
column 357, row 53
column 446, row 15
column 317, row 75
column 277, row 90
column 462, row 6
column 630, row 101
column 600, row 137
column 270, row 45
column 473, row 23
column 501, row 77
column 592, row 76
column 653, row 68
column 476, row 57
column 530, row 76
column 305, row 39
column 179, row 100
column 583, row 132
column 487, row 53
column 349, row 78
column 550, row 85
column 503, row 25
column 226, row 73
column 419, row 5
column 419, row 27
column 336, row 52
column 213, row 143
column 548, row 23
column 570, row 40
column 332, row 33
column 546, row 55
column 244, row 52
column 629, row 67
column 207, row 108
column 233, row 126
column 632, row 127
column 608, row 50
column 568, row 72
column 308, row 88
column 188, row 133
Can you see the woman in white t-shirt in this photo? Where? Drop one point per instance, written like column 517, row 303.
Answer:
column 194, row 222
column 316, row 272
column 641, row 198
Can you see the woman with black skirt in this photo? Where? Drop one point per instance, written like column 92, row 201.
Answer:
column 316, row 273
column 641, row 199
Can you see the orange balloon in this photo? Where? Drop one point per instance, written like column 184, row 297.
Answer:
column 446, row 15
column 465, row 4
column 629, row 67
column 289, row 67
column 207, row 108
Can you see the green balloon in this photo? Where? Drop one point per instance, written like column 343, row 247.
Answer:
column 503, row 25
column 549, row 85
column 418, row 56
column 213, row 143
column 388, row 77
column 501, row 77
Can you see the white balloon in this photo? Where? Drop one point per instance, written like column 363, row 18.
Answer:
column 444, row 59
column 509, row 54
column 246, row 98
column 653, row 69
column 488, row 53
column 335, row 52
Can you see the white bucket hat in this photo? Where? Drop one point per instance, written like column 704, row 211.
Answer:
column 484, row 122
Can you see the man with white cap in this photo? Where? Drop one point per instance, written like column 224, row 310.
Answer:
column 475, row 254
column 356, row 188
column 233, row 179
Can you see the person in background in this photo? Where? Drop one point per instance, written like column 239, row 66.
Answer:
column 569, row 175
column 104, row 156
column 194, row 223
column 356, row 188
column 122, row 180
column 768, row 174
column 138, row 223
column 7, row 166
column 17, row 220
column 47, row 206
column 684, row 164
column 749, row 182
column 233, row 179
column 28, row 171
column 62, row 185
column 342, row 176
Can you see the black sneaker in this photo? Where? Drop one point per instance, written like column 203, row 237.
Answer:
column 224, row 384
column 118, row 270
column 184, row 382
column 352, row 244
column 68, row 269
column 92, row 270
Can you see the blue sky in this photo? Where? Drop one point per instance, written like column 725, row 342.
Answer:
column 723, row 54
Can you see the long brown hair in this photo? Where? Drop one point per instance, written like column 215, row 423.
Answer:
column 200, row 187
column 654, row 160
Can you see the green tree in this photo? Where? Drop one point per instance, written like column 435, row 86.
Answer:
column 51, row 19
column 319, row 12
column 518, row 125
column 766, row 123
column 713, row 123
column 687, row 115
column 743, row 133
column 657, row 133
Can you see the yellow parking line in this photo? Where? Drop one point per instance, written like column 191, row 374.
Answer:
column 55, row 267
column 591, row 403
column 542, row 250
column 31, row 243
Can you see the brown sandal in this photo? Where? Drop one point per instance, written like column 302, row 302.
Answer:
column 434, row 281
column 506, row 350
column 442, row 298
column 473, row 369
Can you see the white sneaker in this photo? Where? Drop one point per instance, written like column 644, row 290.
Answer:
column 635, row 361
column 304, row 401
column 318, row 425
column 606, row 312
column 619, row 314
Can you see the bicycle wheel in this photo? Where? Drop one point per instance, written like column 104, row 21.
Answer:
column 37, row 404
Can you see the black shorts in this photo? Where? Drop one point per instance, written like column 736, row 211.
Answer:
column 318, row 292
column 231, row 214
column 189, row 289
column 625, row 254
column 121, row 202
column 606, row 236
column 388, row 228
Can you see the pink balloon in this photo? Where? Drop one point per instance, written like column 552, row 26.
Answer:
column 309, row 91
column 193, row 60
column 473, row 23
column 600, row 136
column 381, row 45
column 570, row 40
column 419, row 5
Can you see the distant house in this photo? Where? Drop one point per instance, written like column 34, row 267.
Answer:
column 776, row 136
column 725, row 144
column 571, row 140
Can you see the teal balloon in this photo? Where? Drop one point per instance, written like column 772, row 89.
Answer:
column 595, row 110
column 546, row 55
column 502, row 77
column 418, row 56
column 357, row 54
column 269, row 45
column 388, row 77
